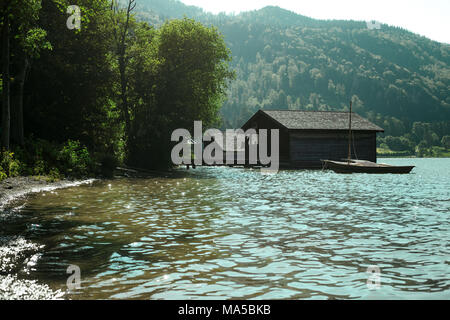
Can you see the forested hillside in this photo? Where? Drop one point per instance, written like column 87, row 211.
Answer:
column 283, row 60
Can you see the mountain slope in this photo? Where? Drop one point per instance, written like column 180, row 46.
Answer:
column 285, row 60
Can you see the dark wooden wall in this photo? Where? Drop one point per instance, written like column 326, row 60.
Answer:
column 259, row 121
column 308, row 148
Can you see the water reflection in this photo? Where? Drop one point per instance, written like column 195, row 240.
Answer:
column 232, row 233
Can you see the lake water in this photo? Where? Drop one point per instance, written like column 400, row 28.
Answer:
column 222, row 233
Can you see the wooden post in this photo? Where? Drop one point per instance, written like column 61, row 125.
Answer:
column 350, row 134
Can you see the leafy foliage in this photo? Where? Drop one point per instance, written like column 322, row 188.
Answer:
column 9, row 166
column 74, row 159
column 187, row 81
column 92, row 94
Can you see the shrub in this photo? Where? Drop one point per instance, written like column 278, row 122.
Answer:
column 446, row 142
column 384, row 146
column 10, row 166
column 42, row 158
column 3, row 175
column 53, row 175
column 39, row 168
column 41, row 150
column 37, row 156
column 399, row 144
column 14, row 169
column 74, row 159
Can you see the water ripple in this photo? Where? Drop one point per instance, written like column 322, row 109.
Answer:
column 232, row 233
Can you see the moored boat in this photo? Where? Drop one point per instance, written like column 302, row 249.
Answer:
column 361, row 166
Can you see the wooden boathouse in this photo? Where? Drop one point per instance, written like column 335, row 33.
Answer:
column 307, row 137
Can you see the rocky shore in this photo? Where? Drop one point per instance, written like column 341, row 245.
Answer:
column 13, row 189
column 17, row 251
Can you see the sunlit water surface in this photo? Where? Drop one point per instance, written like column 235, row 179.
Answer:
column 221, row 233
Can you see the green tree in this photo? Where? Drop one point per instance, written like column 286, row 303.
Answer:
column 446, row 142
column 30, row 41
column 71, row 87
column 122, row 22
column 194, row 70
column 422, row 149
column 399, row 143
column 22, row 40
column 143, row 69
column 189, row 84
column 6, row 9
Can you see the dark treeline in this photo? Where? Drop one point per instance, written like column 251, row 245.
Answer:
column 283, row 60
column 112, row 91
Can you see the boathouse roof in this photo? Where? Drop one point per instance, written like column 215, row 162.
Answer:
column 318, row 120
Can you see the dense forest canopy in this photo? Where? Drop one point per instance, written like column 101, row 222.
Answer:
column 100, row 86
column 287, row 61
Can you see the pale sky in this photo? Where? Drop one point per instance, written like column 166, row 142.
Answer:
column 430, row 18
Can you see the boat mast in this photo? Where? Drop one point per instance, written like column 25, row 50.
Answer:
column 350, row 134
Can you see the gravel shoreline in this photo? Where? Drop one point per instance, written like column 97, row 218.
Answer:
column 15, row 250
column 17, row 188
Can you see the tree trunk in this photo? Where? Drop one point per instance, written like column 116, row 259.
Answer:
column 123, row 85
column 6, row 116
column 17, row 130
